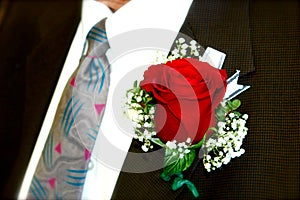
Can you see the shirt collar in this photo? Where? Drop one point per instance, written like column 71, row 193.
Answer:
column 92, row 12
column 148, row 14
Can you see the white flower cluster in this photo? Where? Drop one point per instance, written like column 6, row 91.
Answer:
column 179, row 149
column 142, row 119
column 227, row 144
column 182, row 49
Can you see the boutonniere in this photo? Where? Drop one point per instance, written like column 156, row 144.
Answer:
column 180, row 105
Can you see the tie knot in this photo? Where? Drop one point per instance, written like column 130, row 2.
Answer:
column 97, row 39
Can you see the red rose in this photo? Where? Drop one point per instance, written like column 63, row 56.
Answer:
column 187, row 92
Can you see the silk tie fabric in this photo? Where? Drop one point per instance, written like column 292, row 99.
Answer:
column 64, row 162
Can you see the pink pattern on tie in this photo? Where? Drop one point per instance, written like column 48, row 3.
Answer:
column 89, row 56
column 73, row 82
column 58, row 148
column 87, row 154
column 99, row 108
column 52, row 182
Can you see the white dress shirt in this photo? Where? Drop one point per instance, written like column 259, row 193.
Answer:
column 135, row 15
column 131, row 35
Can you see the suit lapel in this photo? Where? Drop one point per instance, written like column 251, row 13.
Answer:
column 223, row 25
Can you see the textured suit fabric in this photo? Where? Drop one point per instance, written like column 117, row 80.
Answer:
column 270, row 167
column 261, row 38
column 35, row 37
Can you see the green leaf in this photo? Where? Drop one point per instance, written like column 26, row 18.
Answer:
column 173, row 164
column 148, row 99
column 135, row 90
column 235, row 104
column 199, row 144
column 220, row 114
column 158, row 142
column 146, row 109
column 237, row 113
column 144, row 99
column 229, row 104
column 135, row 84
column 227, row 110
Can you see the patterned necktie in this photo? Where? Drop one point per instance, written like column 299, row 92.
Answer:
column 62, row 168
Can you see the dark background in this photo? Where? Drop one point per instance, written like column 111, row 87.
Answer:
column 34, row 40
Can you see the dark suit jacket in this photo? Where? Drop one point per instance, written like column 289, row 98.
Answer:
column 261, row 38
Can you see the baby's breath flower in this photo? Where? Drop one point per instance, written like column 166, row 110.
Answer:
column 141, row 92
column 245, row 116
column 183, row 51
column 184, row 46
column 145, row 148
column 138, row 99
column 181, row 144
column 196, row 53
column 152, row 110
column 140, row 117
column 193, row 48
column 188, row 140
column 141, row 139
column 130, row 95
column 208, row 157
column 179, row 148
column 133, row 115
column 181, row 40
column 242, row 151
column 171, row 145
column 227, row 142
column 186, row 151
column 231, row 115
column 147, row 125
column 193, row 42
column 207, row 166
column 234, row 125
